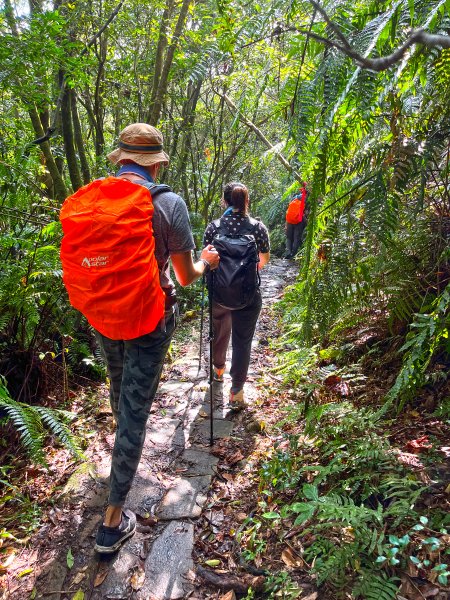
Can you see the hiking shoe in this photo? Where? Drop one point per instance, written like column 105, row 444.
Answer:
column 218, row 375
column 237, row 401
column 109, row 539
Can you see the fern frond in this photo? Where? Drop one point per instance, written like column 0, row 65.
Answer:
column 27, row 424
column 54, row 421
column 31, row 422
column 374, row 586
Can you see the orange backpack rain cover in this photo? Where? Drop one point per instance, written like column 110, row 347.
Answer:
column 108, row 258
column 295, row 210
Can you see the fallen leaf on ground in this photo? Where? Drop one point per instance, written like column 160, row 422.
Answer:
column 79, row 595
column 137, row 579
column 336, row 383
column 229, row 596
column 234, row 458
column 146, row 520
column 213, row 562
column 69, row 559
column 419, row 444
column 101, row 574
column 78, row 578
column 409, row 459
column 291, row 559
column 332, row 380
column 7, row 558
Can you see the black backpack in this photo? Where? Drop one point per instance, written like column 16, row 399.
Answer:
column 236, row 280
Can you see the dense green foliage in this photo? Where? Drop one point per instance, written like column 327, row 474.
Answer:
column 271, row 93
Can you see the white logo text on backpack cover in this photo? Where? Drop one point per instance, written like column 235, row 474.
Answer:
column 95, row 261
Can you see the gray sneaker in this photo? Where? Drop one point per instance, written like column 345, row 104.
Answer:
column 109, row 539
column 237, row 401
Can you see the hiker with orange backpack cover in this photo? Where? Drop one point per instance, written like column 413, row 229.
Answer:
column 295, row 222
column 119, row 234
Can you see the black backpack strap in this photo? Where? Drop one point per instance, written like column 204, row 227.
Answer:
column 156, row 188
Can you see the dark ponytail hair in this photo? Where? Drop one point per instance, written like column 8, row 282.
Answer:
column 235, row 194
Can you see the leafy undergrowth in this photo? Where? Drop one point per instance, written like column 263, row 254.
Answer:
column 318, row 495
column 333, row 498
column 29, row 491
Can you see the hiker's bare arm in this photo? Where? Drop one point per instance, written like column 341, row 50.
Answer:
column 187, row 271
column 263, row 259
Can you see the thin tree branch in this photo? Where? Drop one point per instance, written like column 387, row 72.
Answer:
column 258, row 133
column 331, row 24
column 62, row 88
column 417, row 36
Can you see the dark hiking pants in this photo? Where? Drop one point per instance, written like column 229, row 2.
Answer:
column 134, row 369
column 294, row 237
column 241, row 325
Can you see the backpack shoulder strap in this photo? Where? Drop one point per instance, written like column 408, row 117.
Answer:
column 156, row 188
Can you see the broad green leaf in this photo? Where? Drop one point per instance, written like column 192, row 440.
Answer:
column 271, row 515
column 69, row 559
column 214, row 562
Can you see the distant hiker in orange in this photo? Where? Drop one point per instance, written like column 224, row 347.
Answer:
column 295, row 222
column 119, row 234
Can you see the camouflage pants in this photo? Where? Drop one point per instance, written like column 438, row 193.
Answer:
column 134, row 369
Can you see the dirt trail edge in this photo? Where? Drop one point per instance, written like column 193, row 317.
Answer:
column 168, row 494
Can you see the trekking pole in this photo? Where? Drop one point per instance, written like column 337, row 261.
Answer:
column 211, row 338
column 202, row 314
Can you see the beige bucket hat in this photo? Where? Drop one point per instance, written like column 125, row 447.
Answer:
column 140, row 143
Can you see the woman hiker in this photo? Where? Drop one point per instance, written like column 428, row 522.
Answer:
column 239, row 323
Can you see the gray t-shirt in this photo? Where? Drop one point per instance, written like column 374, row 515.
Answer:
column 173, row 234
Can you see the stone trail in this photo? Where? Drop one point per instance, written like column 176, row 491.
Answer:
column 169, row 491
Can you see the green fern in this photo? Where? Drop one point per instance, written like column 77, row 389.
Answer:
column 428, row 331
column 374, row 586
column 31, row 423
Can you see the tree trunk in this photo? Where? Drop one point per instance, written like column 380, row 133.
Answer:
column 58, row 182
column 159, row 58
column 99, row 108
column 78, row 135
column 259, row 134
column 69, row 145
column 161, row 89
column 186, row 128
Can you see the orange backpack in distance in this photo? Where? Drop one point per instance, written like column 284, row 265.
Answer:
column 108, row 258
column 295, row 210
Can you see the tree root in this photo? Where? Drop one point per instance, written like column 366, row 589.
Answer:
column 238, row 583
